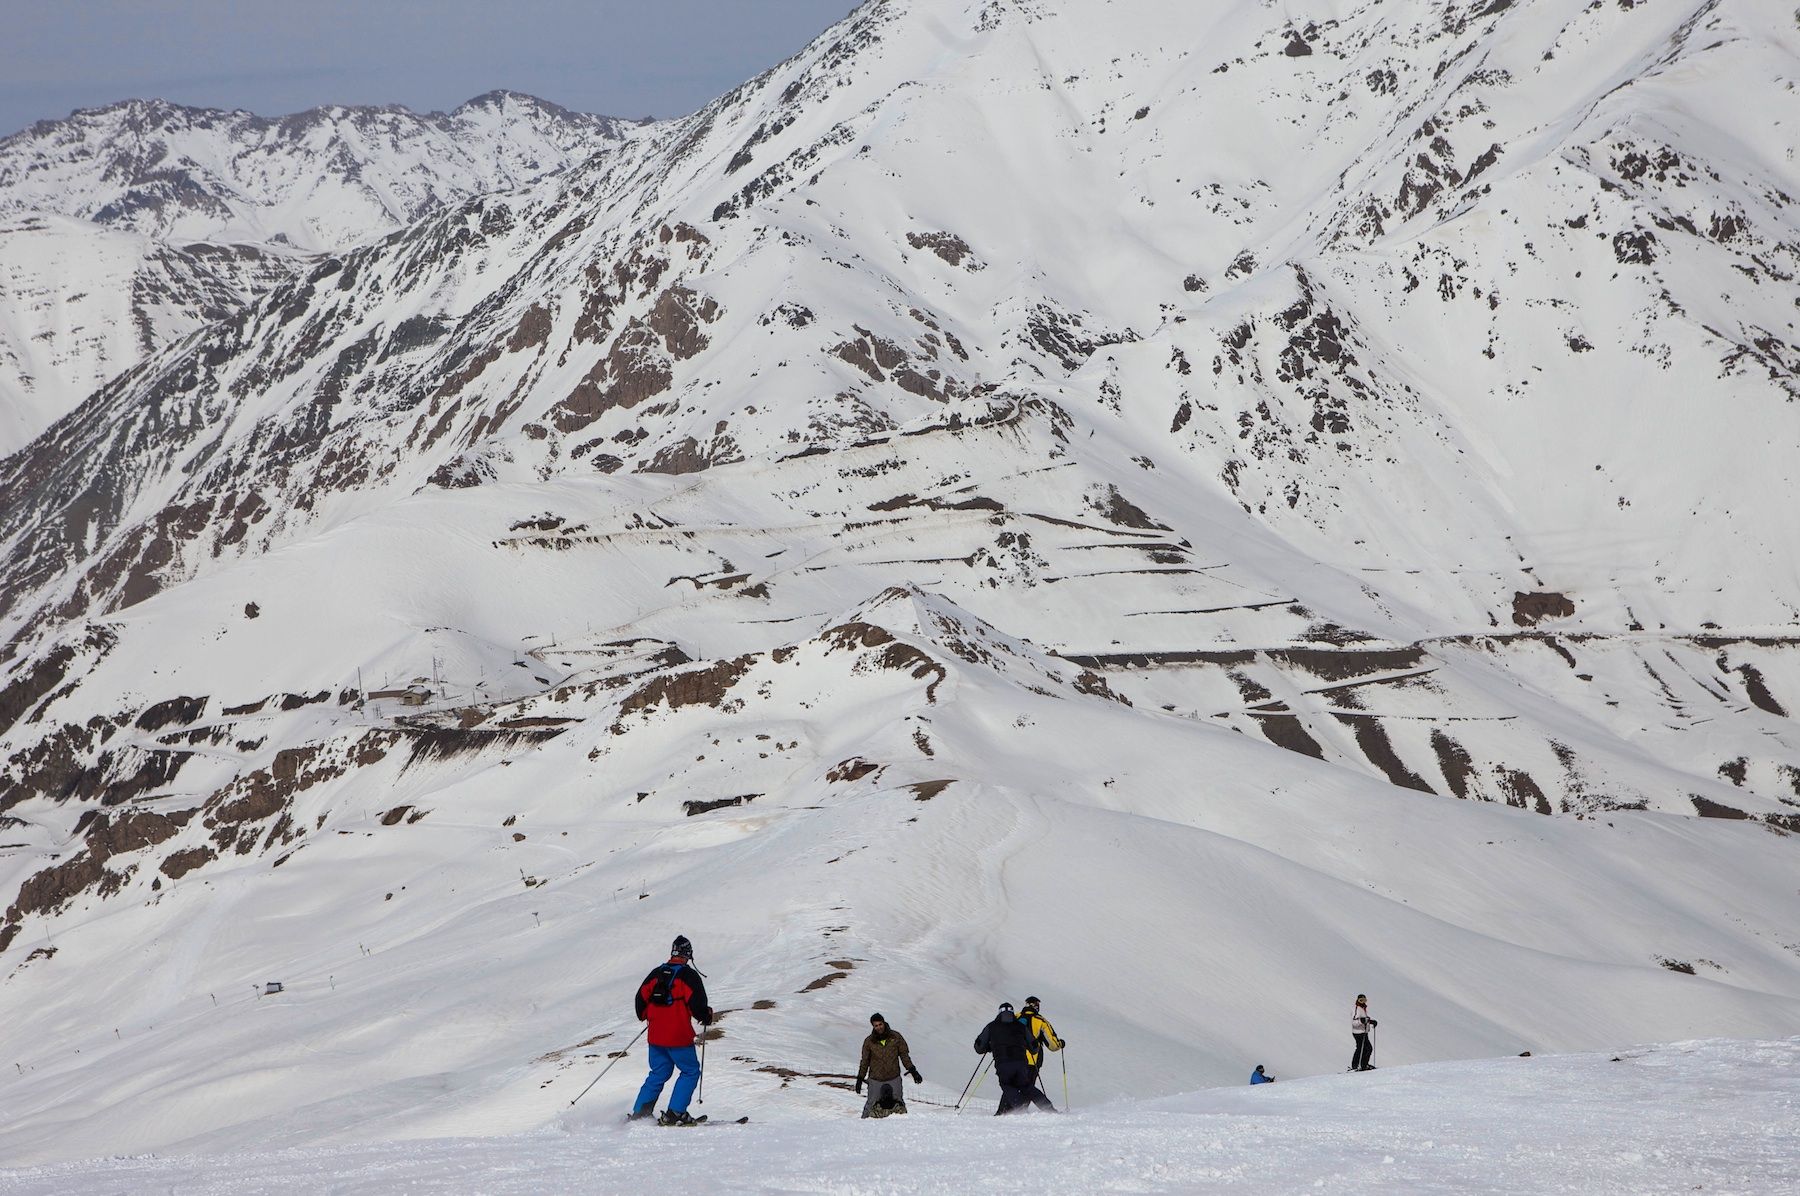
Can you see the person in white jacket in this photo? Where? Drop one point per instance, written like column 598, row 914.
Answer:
column 1360, row 1025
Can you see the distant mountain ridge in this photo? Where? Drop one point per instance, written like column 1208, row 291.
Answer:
column 156, row 181
column 322, row 180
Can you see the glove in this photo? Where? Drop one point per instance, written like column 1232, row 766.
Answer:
column 859, row 1087
column 1373, row 1023
column 917, row 1078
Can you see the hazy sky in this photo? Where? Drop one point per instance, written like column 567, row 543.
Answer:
column 618, row 57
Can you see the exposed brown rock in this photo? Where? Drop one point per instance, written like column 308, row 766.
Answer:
column 636, row 369
column 686, row 455
column 134, row 831
column 1122, row 511
column 1758, row 690
column 691, row 808
column 533, row 330
column 677, row 318
column 185, row 861
column 1286, row 731
column 1379, row 750
column 949, row 246
column 1531, row 609
column 897, row 656
column 696, row 687
column 1455, row 760
column 55, row 886
column 448, row 743
column 853, row 769
column 33, row 683
column 1522, row 791
column 174, row 710
column 1331, row 664
column 856, row 635
column 858, row 354
column 1090, row 682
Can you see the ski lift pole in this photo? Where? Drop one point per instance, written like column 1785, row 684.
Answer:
column 608, row 1067
column 979, row 1064
column 1065, row 1063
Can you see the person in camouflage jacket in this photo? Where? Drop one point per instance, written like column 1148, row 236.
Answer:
column 884, row 1053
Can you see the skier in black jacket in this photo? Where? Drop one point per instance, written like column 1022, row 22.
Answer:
column 1007, row 1039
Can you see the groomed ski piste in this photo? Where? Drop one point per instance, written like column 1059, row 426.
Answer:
column 1714, row 1116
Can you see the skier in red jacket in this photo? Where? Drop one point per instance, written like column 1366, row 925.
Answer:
column 671, row 998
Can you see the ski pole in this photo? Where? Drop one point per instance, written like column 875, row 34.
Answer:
column 609, row 1066
column 1065, row 1063
column 703, row 1066
column 978, row 1082
column 979, row 1064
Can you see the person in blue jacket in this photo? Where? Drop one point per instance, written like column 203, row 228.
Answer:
column 1257, row 1076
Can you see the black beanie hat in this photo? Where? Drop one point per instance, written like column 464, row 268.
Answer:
column 681, row 947
column 876, row 1017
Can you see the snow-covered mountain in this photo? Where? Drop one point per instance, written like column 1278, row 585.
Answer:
column 123, row 229
column 1026, row 495
column 324, row 180
column 80, row 303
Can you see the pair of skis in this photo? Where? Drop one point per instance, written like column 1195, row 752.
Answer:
column 700, row 1120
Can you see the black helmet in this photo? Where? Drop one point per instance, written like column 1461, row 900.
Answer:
column 1031, row 1003
column 681, row 948
column 1006, row 1011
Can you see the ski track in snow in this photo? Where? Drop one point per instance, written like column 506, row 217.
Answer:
column 1714, row 1116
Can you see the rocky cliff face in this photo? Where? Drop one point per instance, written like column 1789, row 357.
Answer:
column 1293, row 420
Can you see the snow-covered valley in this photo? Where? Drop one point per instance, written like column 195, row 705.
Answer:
column 1193, row 512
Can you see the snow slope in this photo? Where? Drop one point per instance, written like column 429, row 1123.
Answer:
column 1708, row 1116
column 1094, row 500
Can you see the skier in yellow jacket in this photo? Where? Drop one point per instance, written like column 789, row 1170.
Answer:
column 1043, row 1038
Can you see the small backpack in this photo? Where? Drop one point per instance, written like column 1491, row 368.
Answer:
column 664, row 991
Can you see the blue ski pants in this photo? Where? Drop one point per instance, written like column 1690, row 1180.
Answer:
column 663, row 1062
